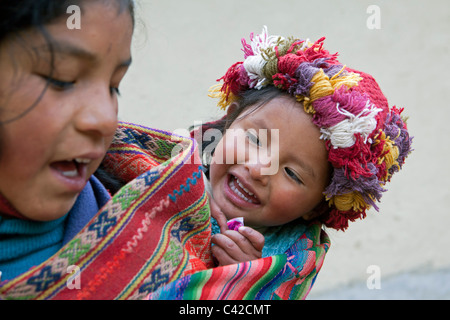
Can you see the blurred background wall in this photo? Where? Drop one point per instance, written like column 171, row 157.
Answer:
column 182, row 47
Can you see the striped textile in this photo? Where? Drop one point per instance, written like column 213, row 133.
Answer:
column 288, row 276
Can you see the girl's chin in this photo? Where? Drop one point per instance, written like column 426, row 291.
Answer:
column 49, row 213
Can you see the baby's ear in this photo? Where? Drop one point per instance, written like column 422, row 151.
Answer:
column 319, row 210
column 232, row 108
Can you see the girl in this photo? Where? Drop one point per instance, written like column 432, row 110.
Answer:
column 65, row 233
column 338, row 144
column 53, row 138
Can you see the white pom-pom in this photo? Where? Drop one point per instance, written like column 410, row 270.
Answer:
column 255, row 63
column 342, row 135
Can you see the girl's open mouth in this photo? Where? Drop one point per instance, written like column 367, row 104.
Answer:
column 71, row 168
column 72, row 172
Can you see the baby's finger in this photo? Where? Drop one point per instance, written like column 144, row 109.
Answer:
column 256, row 238
column 217, row 214
column 241, row 248
column 221, row 256
column 225, row 250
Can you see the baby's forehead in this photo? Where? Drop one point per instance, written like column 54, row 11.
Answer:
column 280, row 113
column 284, row 122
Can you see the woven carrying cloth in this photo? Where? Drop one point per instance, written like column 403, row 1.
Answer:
column 154, row 230
column 153, row 238
column 288, row 276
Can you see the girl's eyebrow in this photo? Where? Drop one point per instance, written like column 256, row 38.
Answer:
column 73, row 50
column 67, row 48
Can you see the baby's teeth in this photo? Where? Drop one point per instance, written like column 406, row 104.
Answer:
column 236, row 190
column 240, row 184
column 239, row 193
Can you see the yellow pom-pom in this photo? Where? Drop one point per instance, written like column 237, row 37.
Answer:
column 321, row 86
column 389, row 154
column 224, row 100
column 324, row 86
column 349, row 201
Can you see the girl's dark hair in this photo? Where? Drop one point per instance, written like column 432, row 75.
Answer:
column 250, row 98
column 20, row 15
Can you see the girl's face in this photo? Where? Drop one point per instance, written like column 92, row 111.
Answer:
column 239, row 183
column 48, row 154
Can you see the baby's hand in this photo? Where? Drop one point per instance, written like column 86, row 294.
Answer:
column 231, row 247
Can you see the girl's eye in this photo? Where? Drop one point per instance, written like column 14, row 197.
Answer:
column 60, row 85
column 65, row 85
column 253, row 138
column 114, row 90
column 293, row 175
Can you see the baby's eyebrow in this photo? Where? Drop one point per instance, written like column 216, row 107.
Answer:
column 262, row 124
column 305, row 167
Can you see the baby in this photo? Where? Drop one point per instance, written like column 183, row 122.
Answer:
column 304, row 139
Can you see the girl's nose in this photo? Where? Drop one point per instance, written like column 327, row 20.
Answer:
column 98, row 113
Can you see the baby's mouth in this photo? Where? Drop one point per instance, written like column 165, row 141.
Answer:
column 241, row 191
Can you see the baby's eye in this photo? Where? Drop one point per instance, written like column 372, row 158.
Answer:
column 293, row 175
column 251, row 134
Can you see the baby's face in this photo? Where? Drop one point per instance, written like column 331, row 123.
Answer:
column 49, row 153
column 274, row 178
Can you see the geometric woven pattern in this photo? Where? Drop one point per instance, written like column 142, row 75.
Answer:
column 153, row 238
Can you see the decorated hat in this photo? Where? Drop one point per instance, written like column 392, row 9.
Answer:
column 367, row 141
